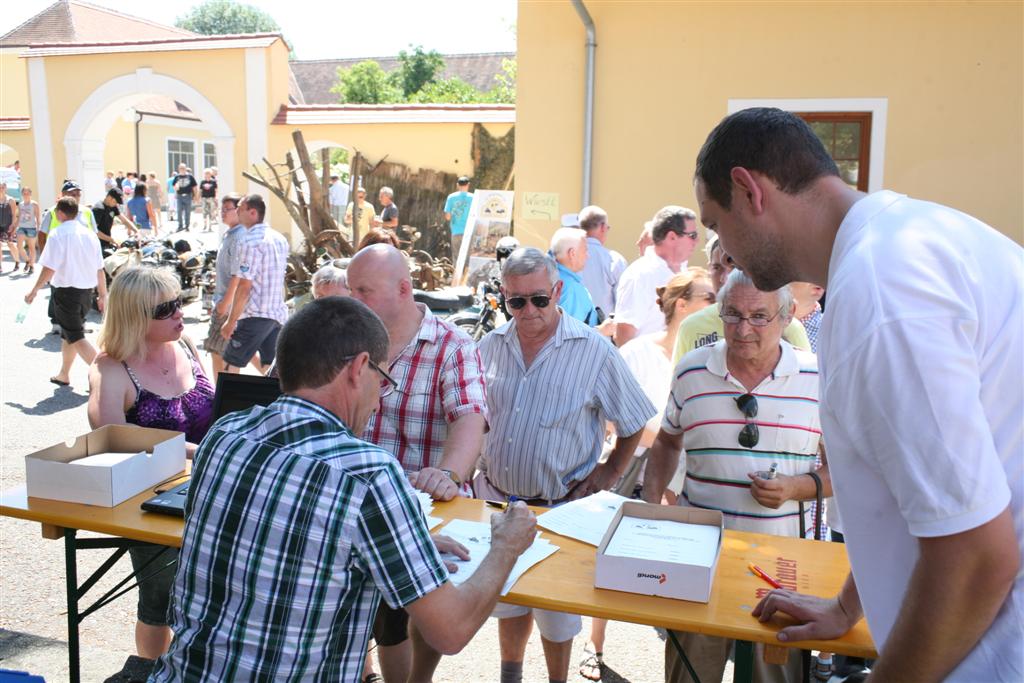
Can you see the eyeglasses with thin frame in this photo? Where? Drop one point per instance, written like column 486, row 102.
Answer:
column 757, row 320
column 692, row 235
column 538, row 300
column 388, row 385
column 749, row 435
column 167, row 309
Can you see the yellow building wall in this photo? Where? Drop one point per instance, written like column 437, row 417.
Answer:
column 89, row 72
column 952, row 74
column 13, row 83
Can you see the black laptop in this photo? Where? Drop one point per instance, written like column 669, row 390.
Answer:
column 233, row 393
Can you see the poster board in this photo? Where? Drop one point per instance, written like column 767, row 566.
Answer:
column 490, row 219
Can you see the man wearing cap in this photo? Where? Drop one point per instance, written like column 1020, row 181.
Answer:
column 674, row 231
column 50, row 220
column 456, row 212
column 106, row 212
column 604, row 267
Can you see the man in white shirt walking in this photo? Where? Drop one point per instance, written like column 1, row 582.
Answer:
column 921, row 402
column 73, row 263
column 674, row 231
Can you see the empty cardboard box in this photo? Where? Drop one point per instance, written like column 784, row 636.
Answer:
column 158, row 455
column 660, row 577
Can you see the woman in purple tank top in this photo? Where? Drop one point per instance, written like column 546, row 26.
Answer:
column 149, row 375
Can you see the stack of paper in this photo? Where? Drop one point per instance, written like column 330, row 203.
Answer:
column 476, row 536
column 103, row 459
column 427, row 505
column 585, row 519
column 665, row 541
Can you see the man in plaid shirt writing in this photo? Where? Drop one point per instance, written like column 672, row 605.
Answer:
column 433, row 422
column 295, row 528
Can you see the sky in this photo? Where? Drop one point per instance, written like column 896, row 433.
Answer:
column 345, row 28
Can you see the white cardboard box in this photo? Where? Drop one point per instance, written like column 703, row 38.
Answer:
column 661, row 578
column 160, row 455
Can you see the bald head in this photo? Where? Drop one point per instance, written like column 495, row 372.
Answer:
column 378, row 275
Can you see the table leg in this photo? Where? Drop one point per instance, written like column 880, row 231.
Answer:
column 744, row 662
column 682, row 655
column 71, row 580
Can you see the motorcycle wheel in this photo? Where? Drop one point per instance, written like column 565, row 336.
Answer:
column 471, row 325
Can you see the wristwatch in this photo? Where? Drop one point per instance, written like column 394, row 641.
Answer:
column 454, row 477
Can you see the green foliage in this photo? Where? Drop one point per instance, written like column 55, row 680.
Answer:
column 504, row 90
column 450, row 90
column 416, row 70
column 366, row 83
column 221, row 17
column 415, row 80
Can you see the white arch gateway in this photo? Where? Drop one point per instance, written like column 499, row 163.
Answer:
column 85, row 136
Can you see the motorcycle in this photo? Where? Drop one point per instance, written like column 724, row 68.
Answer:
column 182, row 258
column 208, row 278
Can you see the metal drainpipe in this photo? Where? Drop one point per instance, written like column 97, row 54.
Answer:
column 588, row 111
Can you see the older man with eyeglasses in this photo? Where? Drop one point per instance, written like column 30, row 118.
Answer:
column 745, row 412
column 553, row 383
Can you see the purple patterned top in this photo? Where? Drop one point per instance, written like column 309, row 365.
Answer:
column 188, row 412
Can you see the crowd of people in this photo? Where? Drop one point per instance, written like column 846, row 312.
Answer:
column 675, row 384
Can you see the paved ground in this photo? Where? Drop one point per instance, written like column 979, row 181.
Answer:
column 33, row 631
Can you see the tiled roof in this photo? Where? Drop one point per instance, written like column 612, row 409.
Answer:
column 395, row 113
column 317, row 77
column 73, row 21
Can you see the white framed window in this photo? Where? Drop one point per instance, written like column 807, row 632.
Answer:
column 180, row 152
column 209, row 156
column 855, row 123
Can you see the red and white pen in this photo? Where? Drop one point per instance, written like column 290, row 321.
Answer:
column 764, row 575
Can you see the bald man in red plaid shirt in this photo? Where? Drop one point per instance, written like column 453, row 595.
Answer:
column 433, row 422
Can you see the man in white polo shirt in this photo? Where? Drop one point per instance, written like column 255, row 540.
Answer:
column 674, row 230
column 747, row 402
column 73, row 263
column 921, row 366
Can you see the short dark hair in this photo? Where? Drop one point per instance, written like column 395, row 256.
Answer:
column 232, row 197
column 670, row 219
column 338, row 328
column 379, row 236
column 67, row 206
column 255, row 201
column 775, row 143
column 140, row 190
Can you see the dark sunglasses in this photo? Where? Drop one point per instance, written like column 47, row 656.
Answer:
column 538, row 300
column 749, row 435
column 167, row 309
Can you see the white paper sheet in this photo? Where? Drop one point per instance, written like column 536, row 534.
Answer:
column 586, row 519
column 664, row 540
column 476, row 536
column 103, row 459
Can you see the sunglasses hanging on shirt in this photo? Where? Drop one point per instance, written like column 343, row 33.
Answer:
column 749, row 435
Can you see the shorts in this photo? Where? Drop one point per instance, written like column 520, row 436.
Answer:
column 391, row 627
column 28, row 232
column 252, row 335
column 215, row 343
column 155, row 582
column 70, row 306
column 7, row 234
column 556, row 627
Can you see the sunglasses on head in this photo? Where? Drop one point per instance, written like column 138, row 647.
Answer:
column 167, row 309
column 538, row 300
column 749, row 435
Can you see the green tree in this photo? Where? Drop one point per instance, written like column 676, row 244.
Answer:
column 504, row 90
column 417, row 70
column 450, row 90
column 221, row 17
column 366, row 83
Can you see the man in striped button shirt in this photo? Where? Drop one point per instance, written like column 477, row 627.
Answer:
column 433, row 422
column 552, row 385
column 736, row 407
column 295, row 528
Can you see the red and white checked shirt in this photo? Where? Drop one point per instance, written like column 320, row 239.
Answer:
column 440, row 378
